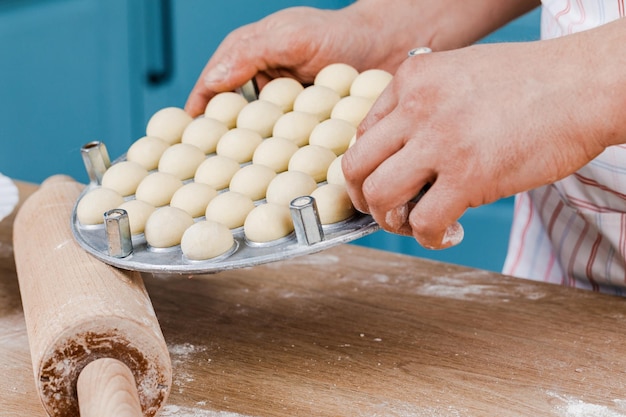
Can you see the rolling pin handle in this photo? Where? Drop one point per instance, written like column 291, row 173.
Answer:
column 106, row 388
column 306, row 220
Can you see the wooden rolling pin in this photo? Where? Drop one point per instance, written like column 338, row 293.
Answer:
column 80, row 311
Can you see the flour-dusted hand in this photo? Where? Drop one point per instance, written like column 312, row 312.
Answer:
column 481, row 123
column 298, row 42
column 295, row 42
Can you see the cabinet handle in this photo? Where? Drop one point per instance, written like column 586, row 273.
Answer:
column 159, row 53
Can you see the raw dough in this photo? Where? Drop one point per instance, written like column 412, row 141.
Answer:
column 92, row 206
column 181, row 160
column 239, row 144
column 225, row 107
column 147, row 151
column 168, row 124
column 193, row 197
column 158, row 188
column 317, row 100
column 260, row 116
column 352, row 109
column 295, row 126
column 124, row 177
column 338, row 77
column 229, row 208
column 165, row 227
column 334, row 134
column 334, row 174
column 268, row 222
column 313, row 160
column 204, row 133
column 370, row 83
column 274, row 153
column 217, row 171
column 289, row 185
column 138, row 213
column 282, row 92
column 333, row 203
column 252, row 180
column 205, row 240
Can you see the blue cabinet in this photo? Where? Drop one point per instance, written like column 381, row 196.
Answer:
column 72, row 71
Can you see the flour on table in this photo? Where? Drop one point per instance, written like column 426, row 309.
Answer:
column 575, row 407
column 177, row 411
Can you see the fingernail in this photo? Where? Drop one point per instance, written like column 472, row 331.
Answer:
column 397, row 217
column 216, row 75
column 453, row 236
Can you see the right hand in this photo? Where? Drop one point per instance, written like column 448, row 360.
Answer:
column 296, row 42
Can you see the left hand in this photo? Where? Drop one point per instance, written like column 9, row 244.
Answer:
column 478, row 124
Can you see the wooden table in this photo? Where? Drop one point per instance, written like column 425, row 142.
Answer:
column 356, row 332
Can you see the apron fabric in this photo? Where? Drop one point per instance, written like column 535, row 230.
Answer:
column 573, row 232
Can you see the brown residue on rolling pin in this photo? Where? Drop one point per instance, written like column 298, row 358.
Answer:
column 59, row 374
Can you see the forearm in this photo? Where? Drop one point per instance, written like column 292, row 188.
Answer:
column 442, row 25
column 602, row 53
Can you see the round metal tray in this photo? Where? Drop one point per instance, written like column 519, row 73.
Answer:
column 243, row 254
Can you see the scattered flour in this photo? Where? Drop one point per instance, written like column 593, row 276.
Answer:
column 575, row 407
column 177, row 411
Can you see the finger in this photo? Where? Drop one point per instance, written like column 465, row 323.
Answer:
column 394, row 183
column 236, row 61
column 372, row 147
column 434, row 219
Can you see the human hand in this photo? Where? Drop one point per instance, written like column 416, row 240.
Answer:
column 296, row 42
column 476, row 124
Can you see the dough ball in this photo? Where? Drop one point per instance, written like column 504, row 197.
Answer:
column 338, row 77
column 333, row 203
column 259, row 116
column 217, row 171
column 334, row 134
column 147, row 151
column 239, row 144
column 317, row 100
column 165, row 227
column 193, row 197
column 168, row 124
column 124, row 177
column 274, row 153
column 334, row 174
column 138, row 213
column 158, row 188
column 313, row 160
column 289, row 185
column 295, row 126
column 352, row 109
column 181, row 160
column 370, row 83
column 230, row 209
column 204, row 133
column 206, row 240
column 282, row 92
column 92, row 206
column 268, row 222
column 225, row 107
column 252, row 180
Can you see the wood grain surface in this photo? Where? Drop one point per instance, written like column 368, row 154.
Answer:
column 357, row 332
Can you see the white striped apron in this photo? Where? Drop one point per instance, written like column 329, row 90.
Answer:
column 573, row 232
